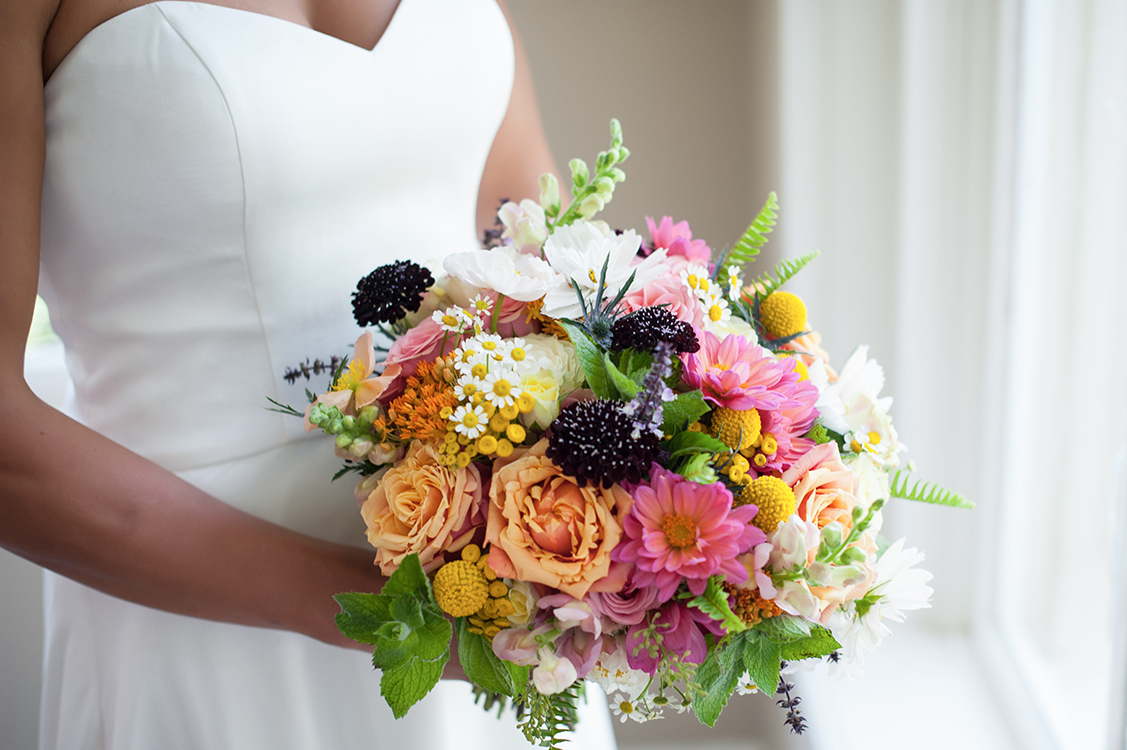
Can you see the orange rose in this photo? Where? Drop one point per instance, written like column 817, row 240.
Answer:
column 420, row 506
column 823, row 487
column 545, row 528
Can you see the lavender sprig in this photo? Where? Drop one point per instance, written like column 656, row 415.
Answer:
column 646, row 407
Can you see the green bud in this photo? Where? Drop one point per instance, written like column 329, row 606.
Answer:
column 604, row 187
column 832, row 534
column 343, row 441
column 623, row 154
column 590, row 206
column 858, row 513
column 349, row 422
column 335, row 427
column 549, row 193
column 618, row 175
column 368, row 415
column 615, row 133
column 853, row 555
column 579, row 173
column 317, row 414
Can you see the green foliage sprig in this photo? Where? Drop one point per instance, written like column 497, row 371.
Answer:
column 755, row 236
column 926, row 492
column 784, row 272
column 589, row 194
column 546, row 717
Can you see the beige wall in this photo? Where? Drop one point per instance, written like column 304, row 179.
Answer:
column 693, row 84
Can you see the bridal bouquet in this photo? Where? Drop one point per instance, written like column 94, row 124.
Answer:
column 596, row 457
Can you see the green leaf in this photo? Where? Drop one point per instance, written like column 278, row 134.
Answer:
column 784, row 628
column 362, row 616
column 714, row 603
column 718, row 677
column 784, row 272
column 926, row 492
column 635, row 364
column 819, row 434
column 755, row 236
column 819, row 643
column 626, row 388
column 408, row 578
column 407, row 610
column 687, row 443
column 590, row 358
column 762, row 661
column 480, row 664
column 686, row 408
column 405, row 685
column 434, row 636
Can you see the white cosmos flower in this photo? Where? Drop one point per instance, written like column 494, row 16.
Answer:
column 503, row 269
column 898, row 587
column 578, row 251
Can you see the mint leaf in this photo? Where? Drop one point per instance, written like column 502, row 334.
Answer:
column 407, row 610
column 362, row 616
column 480, row 664
column 718, row 677
column 635, row 364
column 761, row 660
column 714, row 603
column 686, row 443
column 784, row 628
column 626, row 387
column 683, row 410
column 819, row 643
column 407, row 684
column 408, row 578
column 590, row 358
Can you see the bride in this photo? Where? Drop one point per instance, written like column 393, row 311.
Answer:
column 195, row 188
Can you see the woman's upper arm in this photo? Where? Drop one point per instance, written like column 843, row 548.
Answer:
column 520, row 152
column 23, row 25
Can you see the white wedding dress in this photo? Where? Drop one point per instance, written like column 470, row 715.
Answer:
column 216, row 183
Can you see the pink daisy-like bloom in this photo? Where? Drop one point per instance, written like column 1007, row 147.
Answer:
column 681, row 530
column 738, row 374
column 677, row 239
column 682, row 634
column 787, row 425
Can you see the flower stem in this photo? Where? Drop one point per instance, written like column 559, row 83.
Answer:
column 496, row 311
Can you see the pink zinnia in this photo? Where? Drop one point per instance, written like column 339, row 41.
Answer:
column 677, row 239
column 681, row 530
column 738, row 374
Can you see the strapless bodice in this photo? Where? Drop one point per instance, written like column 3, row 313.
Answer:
column 216, row 183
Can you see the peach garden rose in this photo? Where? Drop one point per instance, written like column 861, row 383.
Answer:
column 545, row 528
column 420, row 506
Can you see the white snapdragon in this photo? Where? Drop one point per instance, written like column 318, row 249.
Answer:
column 524, row 224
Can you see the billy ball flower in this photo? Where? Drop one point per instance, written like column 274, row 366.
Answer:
column 782, row 314
column 594, row 441
column 390, row 292
column 773, row 497
column 460, row 588
column 678, row 529
column 646, row 328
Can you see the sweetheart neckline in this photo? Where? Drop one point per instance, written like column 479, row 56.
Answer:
column 158, row 5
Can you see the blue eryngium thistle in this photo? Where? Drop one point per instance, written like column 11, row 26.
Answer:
column 646, row 407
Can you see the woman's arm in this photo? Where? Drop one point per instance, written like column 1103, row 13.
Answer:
column 77, row 503
column 520, row 152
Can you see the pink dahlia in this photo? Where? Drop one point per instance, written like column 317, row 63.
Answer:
column 677, row 239
column 681, row 530
column 738, row 374
column 787, row 425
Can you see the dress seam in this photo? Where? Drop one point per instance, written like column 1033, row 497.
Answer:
column 243, row 179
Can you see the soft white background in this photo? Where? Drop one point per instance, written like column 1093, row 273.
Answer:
column 963, row 167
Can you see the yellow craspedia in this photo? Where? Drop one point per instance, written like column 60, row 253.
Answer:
column 782, row 314
column 460, row 588
column 774, row 499
column 736, row 429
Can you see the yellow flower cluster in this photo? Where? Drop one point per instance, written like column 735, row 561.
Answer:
column 491, row 615
column 500, row 432
column 736, row 429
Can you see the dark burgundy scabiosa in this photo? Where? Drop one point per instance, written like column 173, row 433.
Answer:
column 594, row 442
column 644, row 329
column 390, row 292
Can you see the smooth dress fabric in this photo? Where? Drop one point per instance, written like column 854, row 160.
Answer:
column 216, row 183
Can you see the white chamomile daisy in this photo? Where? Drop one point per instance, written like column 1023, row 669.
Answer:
column 481, row 305
column 625, row 709
column 466, row 387
column 746, row 685
column 716, row 308
column 734, row 283
column 696, row 278
column 453, row 319
column 501, row 387
column 469, row 420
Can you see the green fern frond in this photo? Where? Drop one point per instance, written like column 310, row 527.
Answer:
column 547, row 717
column 755, row 236
column 784, row 272
column 926, row 492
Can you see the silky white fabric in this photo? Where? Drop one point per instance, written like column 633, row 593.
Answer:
column 216, row 183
